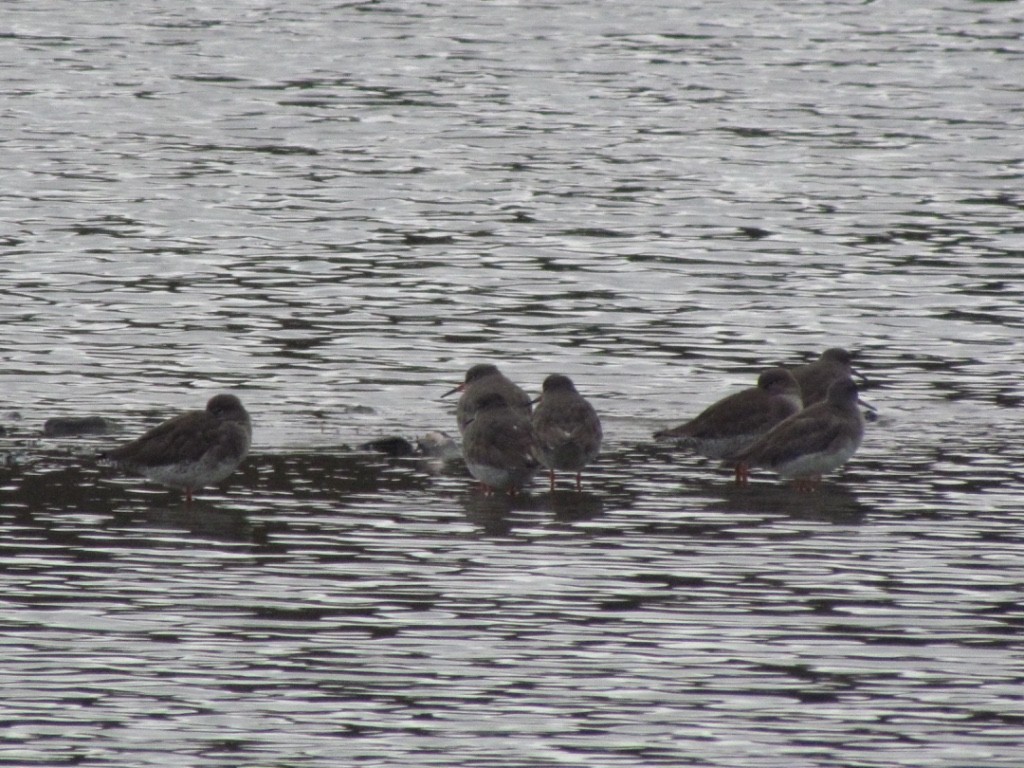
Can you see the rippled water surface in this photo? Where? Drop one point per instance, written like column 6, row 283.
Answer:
column 333, row 209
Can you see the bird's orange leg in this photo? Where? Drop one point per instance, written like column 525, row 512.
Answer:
column 742, row 473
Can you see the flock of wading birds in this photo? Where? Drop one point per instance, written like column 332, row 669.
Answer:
column 799, row 422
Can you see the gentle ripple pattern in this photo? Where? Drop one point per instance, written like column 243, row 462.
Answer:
column 334, row 209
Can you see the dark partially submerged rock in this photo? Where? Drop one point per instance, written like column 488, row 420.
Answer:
column 392, row 446
column 70, row 426
column 435, row 445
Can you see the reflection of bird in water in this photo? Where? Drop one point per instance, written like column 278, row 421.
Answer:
column 481, row 380
column 569, row 505
column 834, row 502
column 734, row 422
column 813, row 442
column 568, row 428
column 226, row 525
column 192, row 450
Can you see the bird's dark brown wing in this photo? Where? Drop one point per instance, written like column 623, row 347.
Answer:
column 797, row 436
column 184, row 438
column 567, row 420
column 742, row 413
column 514, row 443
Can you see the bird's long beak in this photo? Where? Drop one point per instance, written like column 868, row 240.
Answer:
column 453, row 391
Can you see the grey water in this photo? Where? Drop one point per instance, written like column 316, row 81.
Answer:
column 333, row 209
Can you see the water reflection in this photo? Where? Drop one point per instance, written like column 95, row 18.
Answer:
column 830, row 502
column 204, row 519
column 661, row 569
column 74, row 482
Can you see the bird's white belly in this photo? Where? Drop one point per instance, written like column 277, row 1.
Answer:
column 193, row 475
column 498, row 477
column 819, row 463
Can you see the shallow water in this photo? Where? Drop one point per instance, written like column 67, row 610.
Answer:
column 334, row 210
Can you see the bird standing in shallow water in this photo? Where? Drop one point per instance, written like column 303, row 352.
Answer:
column 500, row 446
column 814, row 441
column 192, row 450
column 734, row 422
column 481, row 380
column 568, row 428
